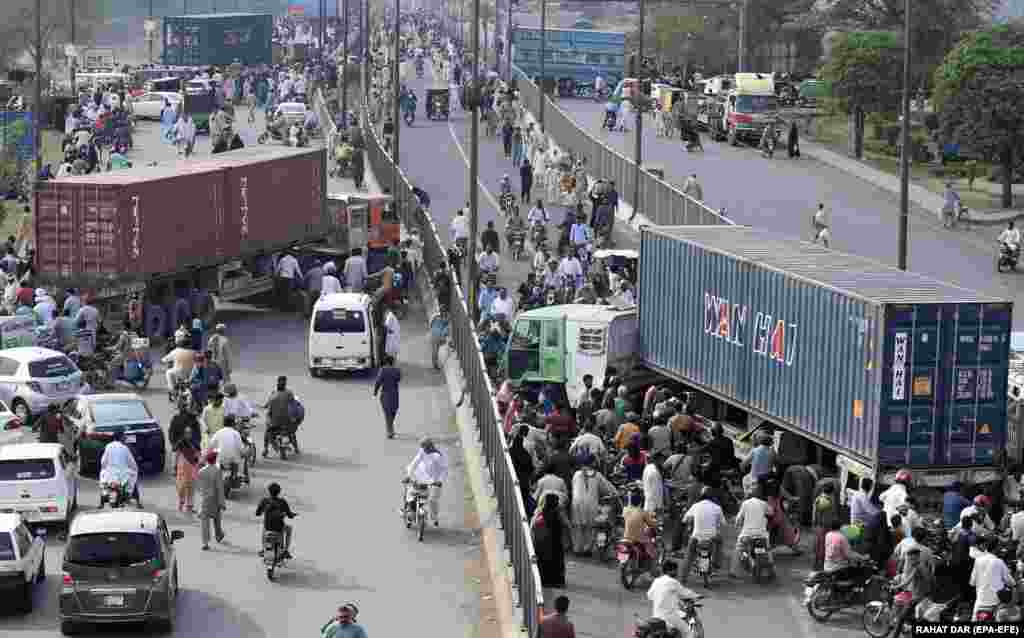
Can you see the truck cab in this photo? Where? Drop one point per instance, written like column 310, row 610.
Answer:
column 749, row 107
column 560, row 344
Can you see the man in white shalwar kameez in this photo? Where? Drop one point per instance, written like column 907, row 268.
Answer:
column 588, row 486
column 392, row 332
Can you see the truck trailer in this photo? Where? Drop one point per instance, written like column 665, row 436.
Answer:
column 849, row 362
column 218, row 39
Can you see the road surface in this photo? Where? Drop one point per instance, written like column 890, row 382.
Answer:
column 350, row 544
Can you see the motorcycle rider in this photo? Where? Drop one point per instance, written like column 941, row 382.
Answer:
column 181, row 360
column 429, row 466
column 388, row 132
column 212, row 416
column 979, row 510
column 274, row 510
column 707, row 519
column 665, row 594
column 515, row 228
column 1010, row 237
column 752, row 521
column 230, row 447
column 278, row 415
column 118, row 464
column 893, row 498
column 768, row 136
column 639, row 527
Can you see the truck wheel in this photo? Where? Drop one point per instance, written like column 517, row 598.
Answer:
column 731, row 137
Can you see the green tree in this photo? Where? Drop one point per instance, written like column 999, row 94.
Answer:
column 865, row 70
column 978, row 91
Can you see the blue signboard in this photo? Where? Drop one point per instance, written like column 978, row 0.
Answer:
column 577, row 54
column 17, row 137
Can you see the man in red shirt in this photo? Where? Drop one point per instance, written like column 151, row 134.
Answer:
column 559, row 424
column 557, row 625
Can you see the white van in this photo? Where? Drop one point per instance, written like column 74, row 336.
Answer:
column 38, row 481
column 342, row 336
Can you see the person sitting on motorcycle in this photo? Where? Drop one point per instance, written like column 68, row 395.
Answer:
column 118, row 465
column 274, row 511
column 214, row 373
column 611, row 111
column 488, row 261
column 236, row 405
column 122, row 347
column 505, row 186
column 198, row 381
column 639, row 526
column 515, row 228
column 752, row 521
column 1010, row 237
column 707, row 519
column 182, row 361
column 838, row 553
column 278, row 415
column 428, row 467
column 666, row 593
column 768, row 136
column 388, row 131
column 229, row 446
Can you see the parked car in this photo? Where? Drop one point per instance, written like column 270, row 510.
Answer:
column 98, row 416
column 22, row 561
column 12, row 430
column 293, row 112
column 32, row 378
column 149, row 105
column 119, row 567
column 38, row 481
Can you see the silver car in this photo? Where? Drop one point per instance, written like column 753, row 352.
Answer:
column 33, row 378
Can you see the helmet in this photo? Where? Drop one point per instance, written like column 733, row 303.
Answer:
column 982, row 501
column 904, row 476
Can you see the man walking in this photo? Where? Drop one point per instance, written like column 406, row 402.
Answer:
column 819, row 224
column 557, row 625
column 525, row 179
column 211, row 503
column 387, row 386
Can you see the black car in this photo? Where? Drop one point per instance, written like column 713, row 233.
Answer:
column 98, row 416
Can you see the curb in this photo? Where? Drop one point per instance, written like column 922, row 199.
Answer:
column 491, row 535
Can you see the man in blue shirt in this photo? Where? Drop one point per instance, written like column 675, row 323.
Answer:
column 953, row 502
column 762, row 458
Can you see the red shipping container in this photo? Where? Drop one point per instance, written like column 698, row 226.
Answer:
column 138, row 223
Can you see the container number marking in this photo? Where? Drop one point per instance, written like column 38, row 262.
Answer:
column 136, row 251
column 244, row 199
column 899, row 367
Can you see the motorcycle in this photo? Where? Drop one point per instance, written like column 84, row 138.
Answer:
column 138, row 367
column 609, row 121
column 539, row 236
column 415, row 510
column 828, row 592
column 756, row 558
column 705, row 563
column 634, row 560
column 281, row 443
column 768, row 143
column 95, row 369
column 658, row 628
column 604, row 526
column 115, row 487
column 232, row 478
column 508, row 203
column 249, row 450
column 409, row 116
column 273, row 552
column 1009, row 255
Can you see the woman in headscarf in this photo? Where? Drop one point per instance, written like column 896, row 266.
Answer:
column 186, row 455
column 550, row 536
column 522, row 463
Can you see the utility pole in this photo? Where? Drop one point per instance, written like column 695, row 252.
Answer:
column 742, row 53
column 37, row 106
column 508, row 43
column 342, row 79
column 395, row 86
column 474, row 163
column 905, row 152
column 74, row 58
column 639, row 142
column 149, row 35
column 543, row 54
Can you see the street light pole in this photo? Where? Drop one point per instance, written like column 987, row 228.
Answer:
column 474, row 163
column 74, row 58
column 149, row 35
column 37, row 110
column 638, row 143
column 508, row 44
column 742, row 53
column 543, row 54
column 905, row 153
column 343, row 76
column 396, row 85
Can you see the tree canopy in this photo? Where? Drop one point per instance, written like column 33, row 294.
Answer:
column 865, row 70
column 978, row 91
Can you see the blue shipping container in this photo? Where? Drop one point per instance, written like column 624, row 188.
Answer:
column 580, row 54
column 888, row 367
column 17, row 135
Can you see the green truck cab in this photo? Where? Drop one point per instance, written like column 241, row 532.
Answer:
column 561, row 344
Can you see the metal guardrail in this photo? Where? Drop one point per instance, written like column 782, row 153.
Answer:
column 466, row 343
column 660, row 202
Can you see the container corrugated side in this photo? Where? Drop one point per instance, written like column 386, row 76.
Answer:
column 944, row 384
column 782, row 348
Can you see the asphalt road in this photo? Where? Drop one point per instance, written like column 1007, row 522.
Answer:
column 782, row 194
column 349, row 543
column 434, row 155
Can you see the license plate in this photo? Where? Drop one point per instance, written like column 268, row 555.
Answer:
column 622, row 556
column 758, row 550
column 601, row 538
column 113, row 600
column 808, row 592
column 130, row 438
column 704, row 564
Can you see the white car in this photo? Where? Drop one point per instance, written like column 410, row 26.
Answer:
column 22, row 561
column 148, row 105
column 293, row 112
column 39, row 481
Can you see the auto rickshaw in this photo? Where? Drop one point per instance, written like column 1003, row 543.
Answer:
column 437, row 104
